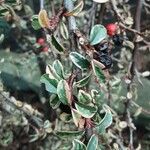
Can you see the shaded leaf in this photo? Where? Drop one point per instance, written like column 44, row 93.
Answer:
column 69, row 134
column 78, row 145
column 83, row 81
column 86, row 111
column 50, row 84
column 106, row 121
column 97, row 34
column 66, row 117
column 63, row 92
column 93, row 143
column 54, row 101
column 79, row 60
column 84, row 97
column 64, row 31
column 77, row 118
column 57, row 45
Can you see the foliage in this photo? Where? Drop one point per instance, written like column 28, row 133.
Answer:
column 89, row 86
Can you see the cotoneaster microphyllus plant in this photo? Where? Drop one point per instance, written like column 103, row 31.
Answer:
column 70, row 88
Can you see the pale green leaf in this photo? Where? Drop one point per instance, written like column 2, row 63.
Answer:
column 97, row 34
column 50, row 84
column 93, row 143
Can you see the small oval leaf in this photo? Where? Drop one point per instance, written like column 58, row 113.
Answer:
column 98, row 33
column 98, row 72
column 79, row 60
column 58, row 68
column 64, row 31
column 50, row 84
column 84, row 97
column 86, row 111
column 43, row 19
column 57, row 44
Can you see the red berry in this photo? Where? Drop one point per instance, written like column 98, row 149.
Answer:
column 41, row 41
column 45, row 49
column 111, row 29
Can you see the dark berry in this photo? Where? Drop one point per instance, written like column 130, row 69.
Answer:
column 106, row 60
column 118, row 39
column 101, row 47
column 111, row 29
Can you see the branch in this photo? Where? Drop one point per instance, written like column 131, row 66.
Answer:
column 122, row 24
column 7, row 103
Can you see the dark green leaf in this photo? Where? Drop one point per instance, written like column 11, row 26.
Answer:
column 79, row 60
column 98, row 33
column 51, row 84
column 84, row 81
column 93, row 143
column 85, row 110
column 54, row 101
column 57, row 45
column 78, row 145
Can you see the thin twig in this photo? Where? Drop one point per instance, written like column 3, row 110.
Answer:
column 23, row 107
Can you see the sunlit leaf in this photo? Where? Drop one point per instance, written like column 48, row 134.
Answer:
column 85, row 110
column 97, row 34
column 50, row 84
column 79, row 60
